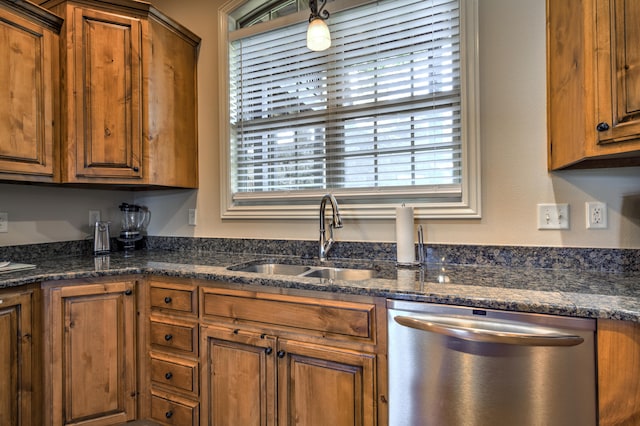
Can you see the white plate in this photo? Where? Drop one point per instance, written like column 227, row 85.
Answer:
column 4, row 264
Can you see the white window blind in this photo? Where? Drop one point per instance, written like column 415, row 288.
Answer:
column 376, row 117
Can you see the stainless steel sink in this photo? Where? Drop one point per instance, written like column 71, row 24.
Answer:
column 341, row 274
column 274, row 269
column 325, row 272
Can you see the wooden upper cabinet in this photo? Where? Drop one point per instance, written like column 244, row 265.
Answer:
column 593, row 73
column 29, row 37
column 129, row 95
column 105, row 128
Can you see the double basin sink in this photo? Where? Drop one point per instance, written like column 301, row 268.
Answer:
column 325, row 272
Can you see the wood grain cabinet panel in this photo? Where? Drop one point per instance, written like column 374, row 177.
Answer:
column 173, row 352
column 273, row 359
column 29, row 38
column 618, row 373
column 593, row 83
column 129, row 99
column 92, row 353
column 18, row 373
column 107, row 88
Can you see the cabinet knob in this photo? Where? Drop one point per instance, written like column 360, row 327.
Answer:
column 128, row 292
column 268, row 351
column 168, row 337
column 602, row 127
column 136, row 169
column 168, row 414
column 168, row 375
column 281, row 354
column 167, row 300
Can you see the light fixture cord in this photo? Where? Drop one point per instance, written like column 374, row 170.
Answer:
column 318, row 13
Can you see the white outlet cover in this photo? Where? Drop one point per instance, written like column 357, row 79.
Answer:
column 596, row 215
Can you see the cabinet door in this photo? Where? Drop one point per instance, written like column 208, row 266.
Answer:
column 238, row 377
column 618, row 76
column 26, row 89
column 15, row 360
column 618, row 372
column 93, row 379
column 320, row 385
column 106, row 108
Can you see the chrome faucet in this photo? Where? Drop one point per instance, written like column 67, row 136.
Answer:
column 336, row 222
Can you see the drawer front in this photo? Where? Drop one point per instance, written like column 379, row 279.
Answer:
column 182, row 336
column 172, row 299
column 337, row 318
column 179, row 375
column 174, row 413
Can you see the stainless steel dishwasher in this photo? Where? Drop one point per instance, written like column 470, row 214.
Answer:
column 455, row 366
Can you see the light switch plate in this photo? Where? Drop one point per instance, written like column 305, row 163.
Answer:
column 553, row 216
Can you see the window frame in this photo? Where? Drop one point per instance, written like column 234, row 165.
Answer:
column 304, row 204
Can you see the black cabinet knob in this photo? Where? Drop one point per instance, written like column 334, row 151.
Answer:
column 281, row 354
column 268, row 351
column 136, row 169
column 168, row 414
column 602, row 127
column 168, row 375
column 167, row 300
column 128, row 292
column 168, row 337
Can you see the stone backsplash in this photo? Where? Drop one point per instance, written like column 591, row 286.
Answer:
column 595, row 259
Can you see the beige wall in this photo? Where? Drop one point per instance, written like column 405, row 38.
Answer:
column 513, row 138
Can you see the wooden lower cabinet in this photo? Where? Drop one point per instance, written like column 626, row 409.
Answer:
column 323, row 385
column 284, row 371
column 256, row 379
column 618, row 373
column 173, row 345
column 19, row 366
column 90, row 353
column 238, row 377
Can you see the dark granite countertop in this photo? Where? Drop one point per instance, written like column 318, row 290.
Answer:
column 589, row 294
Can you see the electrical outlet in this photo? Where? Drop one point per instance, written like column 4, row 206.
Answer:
column 596, row 215
column 94, row 216
column 4, row 222
column 192, row 217
column 553, row 216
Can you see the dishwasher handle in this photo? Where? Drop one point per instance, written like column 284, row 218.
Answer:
column 484, row 335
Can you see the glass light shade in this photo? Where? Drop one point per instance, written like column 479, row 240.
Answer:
column 318, row 36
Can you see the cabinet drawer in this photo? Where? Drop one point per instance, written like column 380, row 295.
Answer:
column 167, row 411
column 326, row 317
column 173, row 297
column 181, row 374
column 182, row 336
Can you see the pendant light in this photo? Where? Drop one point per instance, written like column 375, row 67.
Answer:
column 318, row 36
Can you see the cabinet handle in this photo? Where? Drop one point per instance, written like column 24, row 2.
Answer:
column 168, row 337
column 128, row 292
column 136, row 169
column 168, row 375
column 281, row 354
column 602, row 127
column 167, row 300
column 168, row 414
column 268, row 351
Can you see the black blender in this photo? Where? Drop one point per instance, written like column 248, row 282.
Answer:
column 134, row 219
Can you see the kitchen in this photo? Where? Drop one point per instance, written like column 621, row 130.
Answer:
column 513, row 155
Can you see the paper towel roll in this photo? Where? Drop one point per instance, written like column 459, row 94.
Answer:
column 406, row 253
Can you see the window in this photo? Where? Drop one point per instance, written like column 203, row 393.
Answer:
column 385, row 116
